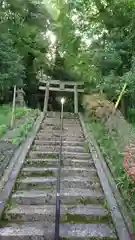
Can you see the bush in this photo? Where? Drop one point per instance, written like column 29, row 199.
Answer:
column 3, row 129
column 131, row 115
column 19, row 112
column 97, row 106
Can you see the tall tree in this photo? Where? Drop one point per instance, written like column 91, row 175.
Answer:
column 23, row 26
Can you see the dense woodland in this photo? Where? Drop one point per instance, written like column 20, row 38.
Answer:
column 94, row 42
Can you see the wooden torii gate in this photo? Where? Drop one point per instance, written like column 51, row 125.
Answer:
column 57, row 85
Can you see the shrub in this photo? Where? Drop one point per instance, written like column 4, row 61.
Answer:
column 97, row 106
column 131, row 115
column 3, row 129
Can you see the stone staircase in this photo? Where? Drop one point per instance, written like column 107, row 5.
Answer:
column 30, row 212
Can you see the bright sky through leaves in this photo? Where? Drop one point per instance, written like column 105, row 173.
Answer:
column 52, row 9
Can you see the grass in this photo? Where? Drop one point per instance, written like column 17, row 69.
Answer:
column 5, row 117
column 6, row 112
column 78, row 219
column 114, row 157
column 25, row 127
column 20, row 112
column 23, row 131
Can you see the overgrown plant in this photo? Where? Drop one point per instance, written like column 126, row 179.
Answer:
column 23, row 131
column 116, row 162
column 25, row 128
column 129, row 164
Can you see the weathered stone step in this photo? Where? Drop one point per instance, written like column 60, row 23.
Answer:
column 64, row 143
column 56, row 130
column 50, row 182
column 53, row 162
column 44, row 154
column 41, row 231
column 53, row 171
column 57, row 125
column 56, row 148
column 56, row 137
column 92, row 212
column 57, row 120
column 66, row 128
column 87, row 232
column 52, row 137
column 56, row 115
column 53, row 154
column 53, row 124
column 67, row 196
column 65, row 118
column 58, row 133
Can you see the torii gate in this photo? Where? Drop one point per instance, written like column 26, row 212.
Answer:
column 57, row 85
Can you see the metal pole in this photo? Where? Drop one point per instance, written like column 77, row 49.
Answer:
column 57, row 213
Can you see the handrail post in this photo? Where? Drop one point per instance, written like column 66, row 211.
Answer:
column 57, row 213
column 13, row 108
column 75, row 99
column 46, row 97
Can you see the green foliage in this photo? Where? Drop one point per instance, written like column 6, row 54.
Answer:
column 23, row 131
column 5, row 115
column 23, row 45
column 3, row 129
column 20, row 113
column 52, row 9
column 11, row 68
column 26, row 126
column 114, row 159
column 96, row 40
column 131, row 115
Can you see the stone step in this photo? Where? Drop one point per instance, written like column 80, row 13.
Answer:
column 50, row 123
column 64, row 143
column 65, row 121
column 56, row 130
column 87, row 232
column 57, row 125
column 43, row 154
column 56, row 137
column 67, row 196
column 57, row 147
column 53, row 162
column 64, row 133
column 69, row 121
column 91, row 212
column 52, row 137
column 50, row 182
column 53, row 171
column 65, row 127
column 41, row 231
column 53, row 154
column 66, row 115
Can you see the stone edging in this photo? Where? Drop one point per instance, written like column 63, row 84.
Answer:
column 9, row 178
column 121, row 222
